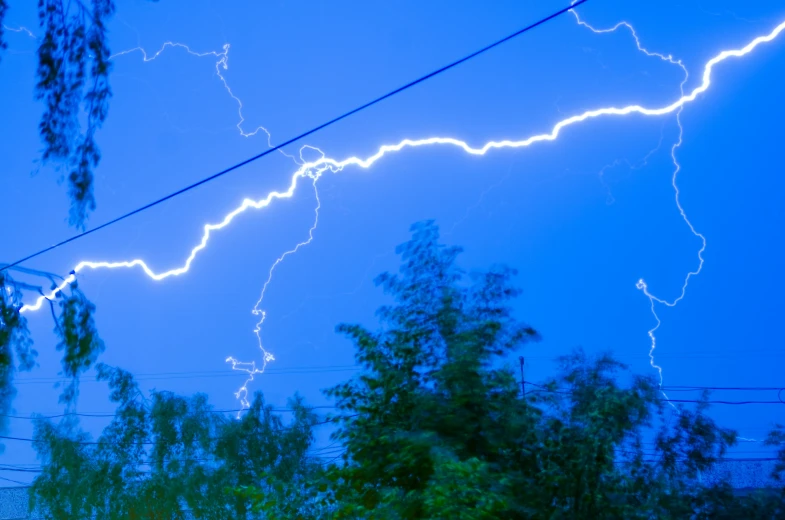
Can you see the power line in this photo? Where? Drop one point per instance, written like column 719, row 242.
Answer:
column 152, row 443
column 407, row 86
column 327, row 451
column 112, row 414
column 207, row 374
column 21, row 484
column 149, row 376
column 718, row 460
column 204, row 374
column 541, row 388
column 720, row 402
column 677, row 388
column 694, row 354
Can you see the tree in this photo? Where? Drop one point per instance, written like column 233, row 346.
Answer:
column 428, row 380
column 434, row 427
column 15, row 346
column 73, row 84
column 74, row 327
column 165, row 455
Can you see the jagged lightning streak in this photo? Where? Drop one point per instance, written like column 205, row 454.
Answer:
column 315, row 169
column 664, row 57
column 20, row 29
column 641, row 284
column 222, row 64
column 250, row 367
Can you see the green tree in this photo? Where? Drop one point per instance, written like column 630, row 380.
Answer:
column 435, row 427
column 15, row 346
column 429, row 381
column 164, row 455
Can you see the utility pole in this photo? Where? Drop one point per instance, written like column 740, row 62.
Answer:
column 523, row 381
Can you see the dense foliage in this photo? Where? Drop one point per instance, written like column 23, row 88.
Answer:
column 434, row 426
column 165, row 455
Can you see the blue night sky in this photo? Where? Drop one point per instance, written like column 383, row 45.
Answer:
column 582, row 218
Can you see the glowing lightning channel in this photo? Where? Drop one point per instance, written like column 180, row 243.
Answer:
column 664, row 57
column 314, row 169
column 208, row 229
column 641, row 284
column 250, row 367
column 221, row 64
column 20, row 29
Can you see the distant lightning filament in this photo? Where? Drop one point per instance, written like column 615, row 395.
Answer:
column 676, row 169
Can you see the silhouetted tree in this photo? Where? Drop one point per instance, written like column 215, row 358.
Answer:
column 165, row 455
column 73, row 84
column 75, row 329
column 433, row 426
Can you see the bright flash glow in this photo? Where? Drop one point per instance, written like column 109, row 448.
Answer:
column 314, row 169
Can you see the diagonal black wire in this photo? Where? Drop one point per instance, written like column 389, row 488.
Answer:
column 304, row 134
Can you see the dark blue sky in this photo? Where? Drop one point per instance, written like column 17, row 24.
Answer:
column 582, row 218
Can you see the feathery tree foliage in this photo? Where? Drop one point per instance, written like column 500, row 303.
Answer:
column 3, row 10
column 434, row 426
column 163, row 456
column 73, row 85
column 73, row 315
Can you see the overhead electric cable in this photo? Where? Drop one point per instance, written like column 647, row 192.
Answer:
column 150, row 443
column 299, row 137
column 779, row 401
column 153, row 376
column 36, row 416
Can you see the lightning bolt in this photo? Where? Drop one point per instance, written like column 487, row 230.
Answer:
column 250, row 367
column 641, row 284
column 221, row 66
column 315, row 169
column 20, row 29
